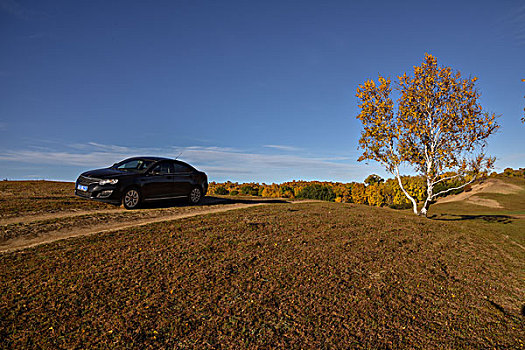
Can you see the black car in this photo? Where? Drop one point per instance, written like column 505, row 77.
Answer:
column 139, row 179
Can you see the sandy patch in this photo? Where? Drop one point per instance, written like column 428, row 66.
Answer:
column 491, row 203
column 498, row 186
column 488, row 186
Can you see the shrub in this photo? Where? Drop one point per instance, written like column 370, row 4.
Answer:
column 510, row 172
column 234, row 193
column 373, row 179
column 249, row 190
column 221, row 190
column 317, row 191
column 286, row 191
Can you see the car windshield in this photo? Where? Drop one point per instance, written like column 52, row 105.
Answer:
column 134, row 165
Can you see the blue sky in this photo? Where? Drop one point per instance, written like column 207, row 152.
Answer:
column 245, row 90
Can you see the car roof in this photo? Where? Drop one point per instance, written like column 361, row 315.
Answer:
column 158, row 159
column 155, row 159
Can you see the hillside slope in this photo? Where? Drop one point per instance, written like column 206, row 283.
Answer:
column 480, row 192
column 502, row 195
column 313, row 275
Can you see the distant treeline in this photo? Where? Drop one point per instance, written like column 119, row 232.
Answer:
column 374, row 191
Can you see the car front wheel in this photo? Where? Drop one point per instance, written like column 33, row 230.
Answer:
column 131, row 199
column 195, row 195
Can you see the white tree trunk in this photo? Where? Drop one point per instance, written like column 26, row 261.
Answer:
column 430, row 196
column 424, row 210
column 414, row 203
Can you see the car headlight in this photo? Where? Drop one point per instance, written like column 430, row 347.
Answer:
column 108, row 182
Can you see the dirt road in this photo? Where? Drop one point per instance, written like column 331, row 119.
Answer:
column 29, row 231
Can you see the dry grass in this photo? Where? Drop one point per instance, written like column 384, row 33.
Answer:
column 19, row 198
column 316, row 275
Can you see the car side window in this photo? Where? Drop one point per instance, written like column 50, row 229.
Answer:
column 163, row 168
column 134, row 164
column 181, row 168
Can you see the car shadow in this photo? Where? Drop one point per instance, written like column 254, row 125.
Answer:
column 502, row 219
column 209, row 201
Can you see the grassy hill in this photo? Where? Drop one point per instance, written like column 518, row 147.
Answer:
column 497, row 195
column 290, row 275
column 495, row 200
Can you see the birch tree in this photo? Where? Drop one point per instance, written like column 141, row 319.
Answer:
column 438, row 127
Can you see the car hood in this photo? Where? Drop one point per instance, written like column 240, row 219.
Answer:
column 104, row 173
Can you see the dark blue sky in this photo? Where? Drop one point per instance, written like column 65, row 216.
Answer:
column 246, row 90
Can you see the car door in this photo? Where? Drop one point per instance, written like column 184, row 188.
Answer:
column 183, row 179
column 159, row 181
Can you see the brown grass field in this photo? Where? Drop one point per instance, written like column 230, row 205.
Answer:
column 276, row 275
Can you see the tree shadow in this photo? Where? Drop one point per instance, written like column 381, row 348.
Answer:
column 208, row 201
column 502, row 219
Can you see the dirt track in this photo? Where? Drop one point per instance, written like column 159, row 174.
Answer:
column 60, row 215
column 132, row 220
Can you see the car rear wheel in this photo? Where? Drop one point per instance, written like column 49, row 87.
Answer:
column 131, row 199
column 195, row 195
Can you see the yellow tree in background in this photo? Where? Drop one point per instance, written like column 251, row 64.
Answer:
column 359, row 193
column 438, row 127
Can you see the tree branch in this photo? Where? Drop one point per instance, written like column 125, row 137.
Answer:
column 454, row 188
column 447, row 178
